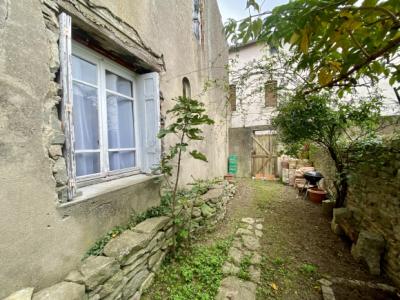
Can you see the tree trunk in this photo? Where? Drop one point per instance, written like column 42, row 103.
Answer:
column 341, row 190
column 174, row 216
column 341, row 184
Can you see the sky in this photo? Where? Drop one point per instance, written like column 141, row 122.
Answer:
column 235, row 9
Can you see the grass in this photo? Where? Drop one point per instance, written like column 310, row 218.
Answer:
column 283, row 275
column 194, row 274
column 308, row 269
column 266, row 192
column 245, row 264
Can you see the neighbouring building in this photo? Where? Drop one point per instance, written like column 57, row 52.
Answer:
column 84, row 88
column 253, row 95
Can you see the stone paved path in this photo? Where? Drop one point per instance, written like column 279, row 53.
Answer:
column 242, row 270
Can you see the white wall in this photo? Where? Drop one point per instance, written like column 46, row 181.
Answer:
column 250, row 104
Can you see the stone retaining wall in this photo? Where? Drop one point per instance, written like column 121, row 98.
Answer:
column 373, row 200
column 130, row 260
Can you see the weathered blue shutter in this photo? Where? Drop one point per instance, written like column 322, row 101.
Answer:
column 149, row 120
column 67, row 100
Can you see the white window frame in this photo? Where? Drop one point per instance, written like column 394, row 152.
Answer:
column 146, row 93
column 104, row 64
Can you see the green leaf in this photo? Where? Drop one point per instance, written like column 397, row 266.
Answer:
column 254, row 4
column 198, row 155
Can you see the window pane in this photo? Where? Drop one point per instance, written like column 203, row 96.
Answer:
column 118, row 84
column 87, row 163
column 86, row 122
column 83, row 70
column 122, row 160
column 121, row 132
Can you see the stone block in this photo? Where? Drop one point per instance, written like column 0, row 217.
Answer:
column 251, row 242
column 196, row 212
column 243, row 231
column 55, row 151
column 141, row 254
column 258, row 233
column 213, row 195
column 97, row 269
column 154, row 258
column 235, row 255
column 255, row 274
column 126, row 244
column 117, row 293
column 341, row 214
column 133, row 285
column 117, row 282
column 75, row 276
column 62, row 291
column 255, row 259
column 233, row 288
column 250, row 221
column 136, row 266
column 147, row 283
column 57, row 138
column 327, row 208
column 327, row 293
column 24, row 294
column 207, row 211
column 369, row 249
column 230, row 269
column 151, row 226
column 198, row 202
column 60, row 171
column 158, row 264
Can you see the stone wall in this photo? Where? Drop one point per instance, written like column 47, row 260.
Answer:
column 130, row 260
column 42, row 236
column 373, row 199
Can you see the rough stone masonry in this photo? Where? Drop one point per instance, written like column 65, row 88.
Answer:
column 130, row 261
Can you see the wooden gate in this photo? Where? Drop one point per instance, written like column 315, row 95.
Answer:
column 263, row 156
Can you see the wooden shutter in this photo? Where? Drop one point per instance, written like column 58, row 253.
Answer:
column 149, row 120
column 67, row 100
column 271, row 93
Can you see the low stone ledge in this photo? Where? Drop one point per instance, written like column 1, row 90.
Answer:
column 62, row 291
column 24, row 294
column 97, row 269
column 369, row 249
column 213, row 194
column 134, row 284
column 126, row 244
column 129, row 261
column 151, row 226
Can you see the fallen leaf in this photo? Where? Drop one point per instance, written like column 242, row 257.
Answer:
column 274, row 286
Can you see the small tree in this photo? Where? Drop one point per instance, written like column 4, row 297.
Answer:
column 188, row 115
column 339, row 127
column 338, row 42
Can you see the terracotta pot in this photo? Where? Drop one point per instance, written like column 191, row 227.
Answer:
column 316, row 195
column 229, row 177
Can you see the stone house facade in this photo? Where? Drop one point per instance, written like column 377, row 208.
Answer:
column 253, row 99
column 84, row 87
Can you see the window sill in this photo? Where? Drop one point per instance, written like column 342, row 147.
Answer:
column 95, row 190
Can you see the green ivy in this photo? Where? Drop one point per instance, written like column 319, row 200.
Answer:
column 161, row 210
column 194, row 273
column 199, row 187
